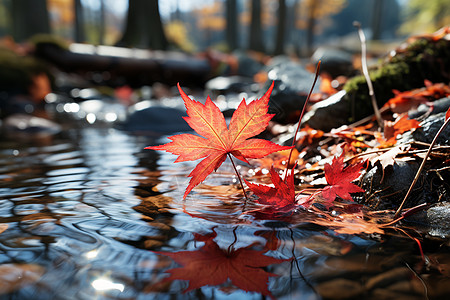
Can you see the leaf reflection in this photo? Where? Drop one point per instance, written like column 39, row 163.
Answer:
column 212, row 265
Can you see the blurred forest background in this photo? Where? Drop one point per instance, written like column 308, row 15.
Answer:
column 273, row 27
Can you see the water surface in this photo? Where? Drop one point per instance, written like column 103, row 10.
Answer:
column 90, row 214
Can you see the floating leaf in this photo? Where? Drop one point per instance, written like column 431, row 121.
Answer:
column 216, row 140
column 282, row 195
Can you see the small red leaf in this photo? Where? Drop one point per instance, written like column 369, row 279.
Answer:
column 340, row 180
column 282, row 195
column 447, row 114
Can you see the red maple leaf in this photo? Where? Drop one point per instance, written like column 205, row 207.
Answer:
column 211, row 265
column 216, row 140
column 447, row 114
column 340, row 180
column 282, row 195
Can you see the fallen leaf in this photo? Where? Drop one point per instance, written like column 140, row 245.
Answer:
column 216, row 140
column 404, row 101
column 401, row 125
column 282, row 195
column 211, row 265
column 447, row 114
column 340, row 180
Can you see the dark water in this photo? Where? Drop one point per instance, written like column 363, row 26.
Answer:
column 87, row 209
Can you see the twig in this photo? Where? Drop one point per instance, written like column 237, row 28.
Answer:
column 301, row 115
column 397, row 213
column 240, row 180
column 365, row 70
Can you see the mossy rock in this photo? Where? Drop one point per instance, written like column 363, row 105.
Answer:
column 424, row 59
column 412, row 64
column 40, row 39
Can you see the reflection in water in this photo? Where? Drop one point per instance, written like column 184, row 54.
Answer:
column 91, row 215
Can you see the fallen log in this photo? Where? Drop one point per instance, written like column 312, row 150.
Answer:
column 135, row 67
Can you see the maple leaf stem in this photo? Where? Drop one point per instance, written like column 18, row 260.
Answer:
column 397, row 213
column 301, row 115
column 240, row 180
column 365, row 71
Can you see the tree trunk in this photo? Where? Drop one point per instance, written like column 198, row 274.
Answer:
column 144, row 28
column 79, row 22
column 29, row 17
column 281, row 27
column 256, row 33
column 232, row 24
column 102, row 23
column 311, row 26
column 377, row 16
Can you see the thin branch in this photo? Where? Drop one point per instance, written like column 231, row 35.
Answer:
column 240, row 180
column 301, row 115
column 365, row 70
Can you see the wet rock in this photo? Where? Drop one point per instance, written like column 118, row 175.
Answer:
column 386, row 188
column 429, row 127
column 438, row 219
column 340, row 288
column 247, row 65
column 439, row 106
column 291, row 87
column 29, row 125
column 231, row 84
column 156, row 120
column 333, row 61
column 329, row 113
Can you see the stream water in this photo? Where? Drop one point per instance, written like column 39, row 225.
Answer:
column 90, row 214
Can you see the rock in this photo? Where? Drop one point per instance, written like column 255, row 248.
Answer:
column 386, row 189
column 439, row 106
column 247, row 65
column 333, row 61
column 429, row 127
column 340, row 288
column 291, row 87
column 438, row 219
column 156, row 120
column 329, row 113
column 231, row 84
column 23, row 125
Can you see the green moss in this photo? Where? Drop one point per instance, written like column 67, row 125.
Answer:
column 49, row 39
column 421, row 60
